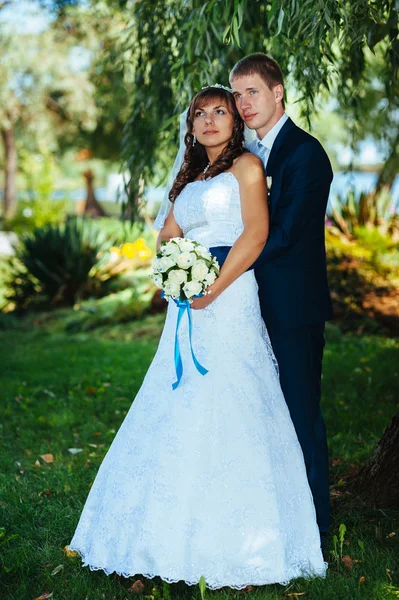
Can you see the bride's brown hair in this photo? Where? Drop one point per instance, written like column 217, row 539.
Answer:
column 195, row 156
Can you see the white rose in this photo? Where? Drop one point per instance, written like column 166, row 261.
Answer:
column 155, row 264
column 172, row 289
column 203, row 253
column 177, row 276
column 165, row 263
column 199, row 270
column 210, row 278
column 215, row 263
column 157, row 279
column 171, row 249
column 186, row 246
column 192, row 288
column 185, row 260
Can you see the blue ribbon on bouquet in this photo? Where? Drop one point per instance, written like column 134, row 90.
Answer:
column 183, row 306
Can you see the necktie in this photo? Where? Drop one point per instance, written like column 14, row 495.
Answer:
column 262, row 152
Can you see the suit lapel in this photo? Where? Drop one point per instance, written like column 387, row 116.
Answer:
column 287, row 130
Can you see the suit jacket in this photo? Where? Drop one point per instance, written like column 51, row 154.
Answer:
column 291, row 270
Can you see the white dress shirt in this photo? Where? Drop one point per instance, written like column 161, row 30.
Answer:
column 263, row 147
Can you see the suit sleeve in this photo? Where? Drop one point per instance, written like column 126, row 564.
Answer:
column 306, row 183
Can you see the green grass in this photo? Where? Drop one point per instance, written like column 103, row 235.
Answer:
column 61, row 391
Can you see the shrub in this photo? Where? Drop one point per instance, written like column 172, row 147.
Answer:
column 350, row 214
column 54, row 262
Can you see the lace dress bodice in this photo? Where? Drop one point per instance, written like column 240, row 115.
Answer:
column 209, row 211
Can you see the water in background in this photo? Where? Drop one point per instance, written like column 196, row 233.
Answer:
column 359, row 181
column 343, row 182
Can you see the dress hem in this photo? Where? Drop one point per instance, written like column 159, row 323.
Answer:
column 295, row 573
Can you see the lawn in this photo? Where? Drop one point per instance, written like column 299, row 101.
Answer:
column 63, row 396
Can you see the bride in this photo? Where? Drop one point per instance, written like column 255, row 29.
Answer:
column 209, row 479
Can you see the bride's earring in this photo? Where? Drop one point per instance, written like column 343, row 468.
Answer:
column 194, row 141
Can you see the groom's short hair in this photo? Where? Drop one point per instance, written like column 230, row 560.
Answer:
column 265, row 66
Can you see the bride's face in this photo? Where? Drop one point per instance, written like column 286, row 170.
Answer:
column 213, row 124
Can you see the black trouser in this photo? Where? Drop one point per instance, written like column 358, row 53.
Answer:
column 299, row 353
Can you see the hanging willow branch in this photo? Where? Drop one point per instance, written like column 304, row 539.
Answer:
column 177, row 47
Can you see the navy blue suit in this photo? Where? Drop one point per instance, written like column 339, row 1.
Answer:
column 293, row 291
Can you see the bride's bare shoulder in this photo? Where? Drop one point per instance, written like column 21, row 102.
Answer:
column 247, row 162
column 247, row 159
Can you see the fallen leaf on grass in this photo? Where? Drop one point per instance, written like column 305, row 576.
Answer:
column 57, row 569
column 249, row 588
column 347, row 561
column 388, row 572
column 90, row 390
column 391, row 535
column 362, row 579
column 27, row 452
column 295, row 594
column 75, row 450
column 44, row 596
column 137, row 587
column 69, row 553
column 335, row 494
column 47, row 458
column 37, row 464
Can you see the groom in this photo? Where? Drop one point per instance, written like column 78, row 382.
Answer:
column 291, row 270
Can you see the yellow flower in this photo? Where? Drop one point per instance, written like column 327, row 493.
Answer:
column 137, row 249
column 140, row 244
column 115, row 250
column 145, row 254
column 129, row 250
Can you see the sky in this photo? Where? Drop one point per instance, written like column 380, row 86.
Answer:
column 24, row 17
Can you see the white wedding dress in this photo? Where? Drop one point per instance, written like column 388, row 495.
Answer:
column 208, row 479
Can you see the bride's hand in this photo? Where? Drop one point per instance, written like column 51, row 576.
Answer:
column 204, row 301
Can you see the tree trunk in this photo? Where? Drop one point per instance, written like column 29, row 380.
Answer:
column 10, row 183
column 92, row 207
column 378, row 479
column 390, row 169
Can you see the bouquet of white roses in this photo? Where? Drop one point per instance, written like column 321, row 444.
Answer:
column 183, row 269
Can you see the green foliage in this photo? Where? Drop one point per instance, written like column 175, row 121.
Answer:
column 351, row 214
column 363, row 275
column 174, row 49
column 57, row 98
column 38, row 209
column 54, row 262
column 75, row 392
column 120, row 307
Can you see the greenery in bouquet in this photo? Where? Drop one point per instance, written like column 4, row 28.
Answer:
column 183, row 269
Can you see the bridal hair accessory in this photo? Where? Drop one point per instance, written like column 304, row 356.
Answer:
column 218, row 85
column 249, row 136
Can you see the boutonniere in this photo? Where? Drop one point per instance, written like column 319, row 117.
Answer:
column 269, row 183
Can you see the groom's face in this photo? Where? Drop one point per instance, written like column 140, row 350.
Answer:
column 259, row 106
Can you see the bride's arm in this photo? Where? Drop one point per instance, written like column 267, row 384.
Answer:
column 170, row 229
column 255, row 216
